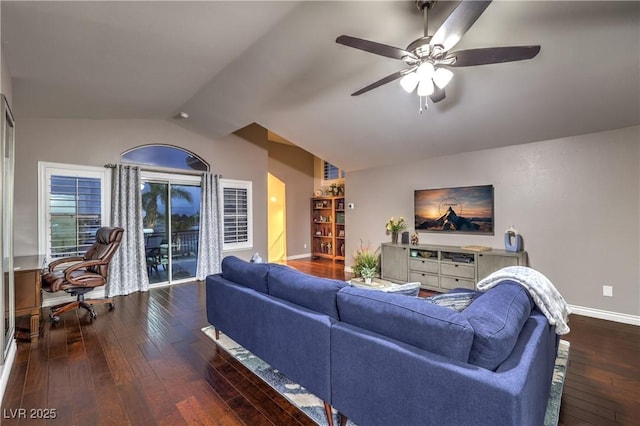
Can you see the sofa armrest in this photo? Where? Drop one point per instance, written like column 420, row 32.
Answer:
column 379, row 381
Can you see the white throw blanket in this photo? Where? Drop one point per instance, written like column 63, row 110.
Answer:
column 544, row 294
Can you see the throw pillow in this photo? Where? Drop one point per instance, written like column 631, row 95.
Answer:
column 457, row 301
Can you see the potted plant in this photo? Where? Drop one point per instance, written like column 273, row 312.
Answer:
column 368, row 273
column 395, row 226
column 365, row 262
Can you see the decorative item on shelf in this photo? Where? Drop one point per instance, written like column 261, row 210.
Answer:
column 512, row 240
column 476, row 248
column 415, row 239
column 342, row 249
column 318, row 193
column 335, row 189
column 364, row 257
column 394, row 226
column 405, row 237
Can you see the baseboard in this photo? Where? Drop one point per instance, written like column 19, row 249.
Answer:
column 5, row 369
column 605, row 315
column 348, row 269
column 299, row 256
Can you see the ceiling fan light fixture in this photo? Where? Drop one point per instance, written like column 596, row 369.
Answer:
column 428, row 58
column 409, row 82
column 442, row 77
column 425, row 71
column 425, row 87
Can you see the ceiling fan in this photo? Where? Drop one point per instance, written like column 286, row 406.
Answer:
column 429, row 57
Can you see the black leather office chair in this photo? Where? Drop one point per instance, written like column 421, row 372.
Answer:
column 84, row 273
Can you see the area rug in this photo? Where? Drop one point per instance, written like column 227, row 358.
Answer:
column 313, row 407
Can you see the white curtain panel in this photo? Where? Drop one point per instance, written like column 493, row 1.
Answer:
column 210, row 239
column 128, row 271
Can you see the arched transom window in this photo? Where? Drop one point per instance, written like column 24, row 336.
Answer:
column 166, row 156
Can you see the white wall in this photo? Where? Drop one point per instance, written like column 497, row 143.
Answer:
column 98, row 142
column 575, row 200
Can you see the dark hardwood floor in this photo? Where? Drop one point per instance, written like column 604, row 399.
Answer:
column 148, row 363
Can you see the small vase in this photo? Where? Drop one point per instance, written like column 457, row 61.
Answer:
column 367, row 280
column 394, row 237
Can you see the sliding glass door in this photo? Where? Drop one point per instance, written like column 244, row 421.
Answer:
column 171, row 217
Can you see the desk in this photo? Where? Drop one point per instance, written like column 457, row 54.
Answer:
column 26, row 270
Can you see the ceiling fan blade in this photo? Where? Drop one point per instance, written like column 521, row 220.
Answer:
column 396, row 75
column 373, row 47
column 438, row 94
column 458, row 23
column 492, row 55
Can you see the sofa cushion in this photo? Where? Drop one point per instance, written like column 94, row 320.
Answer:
column 317, row 294
column 457, row 300
column 497, row 317
column 410, row 320
column 247, row 274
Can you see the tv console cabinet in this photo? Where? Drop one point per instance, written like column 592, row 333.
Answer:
column 442, row 268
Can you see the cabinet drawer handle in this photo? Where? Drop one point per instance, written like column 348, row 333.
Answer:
column 457, row 280
column 456, row 265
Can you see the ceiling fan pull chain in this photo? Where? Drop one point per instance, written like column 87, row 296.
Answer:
column 423, row 102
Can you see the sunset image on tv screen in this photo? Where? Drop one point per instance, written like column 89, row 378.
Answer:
column 463, row 209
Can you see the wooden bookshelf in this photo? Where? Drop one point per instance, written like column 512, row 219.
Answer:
column 328, row 227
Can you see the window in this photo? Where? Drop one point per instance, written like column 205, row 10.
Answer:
column 331, row 172
column 73, row 204
column 170, row 217
column 238, row 228
column 164, row 156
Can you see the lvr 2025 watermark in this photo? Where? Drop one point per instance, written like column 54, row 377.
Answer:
column 29, row 413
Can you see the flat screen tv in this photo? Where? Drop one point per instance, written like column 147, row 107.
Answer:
column 467, row 209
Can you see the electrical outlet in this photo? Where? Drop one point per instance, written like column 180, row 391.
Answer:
column 305, row 245
column 607, row 290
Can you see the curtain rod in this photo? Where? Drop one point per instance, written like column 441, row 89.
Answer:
column 162, row 169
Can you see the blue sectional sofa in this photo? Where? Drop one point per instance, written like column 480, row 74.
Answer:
column 279, row 314
column 388, row 359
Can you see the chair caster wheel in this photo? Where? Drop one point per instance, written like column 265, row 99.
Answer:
column 93, row 314
column 55, row 319
column 112, row 306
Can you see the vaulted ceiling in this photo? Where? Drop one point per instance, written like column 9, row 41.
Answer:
column 231, row 63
